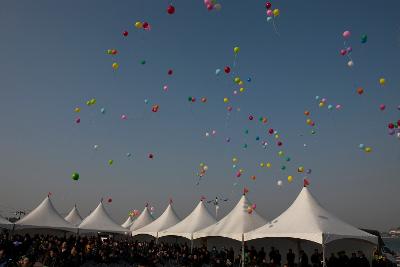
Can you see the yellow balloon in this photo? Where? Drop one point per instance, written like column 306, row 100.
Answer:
column 269, row 165
column 300, row 169
column 77, row 109
column 115, row 66
column 92, row 101
column 234, row 160
column 321, row 104
column 277, row 136
column 138, row 25
column 382, row 81
column 226, row 100
column 262, row 164
column 276, row 12
column 237, row 79
column 241, row 171
column 280, row 153
column 240, row 83
column 236, row 49
column 241, row 89
column 368, row 149
column 290, row 178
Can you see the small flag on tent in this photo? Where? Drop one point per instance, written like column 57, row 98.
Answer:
column 170, row 200
column 306, row 182
column 147, row 205
column 202, row 198
column 49, row 194
column 245, row 191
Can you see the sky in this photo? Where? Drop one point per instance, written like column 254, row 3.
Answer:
column 54, row 59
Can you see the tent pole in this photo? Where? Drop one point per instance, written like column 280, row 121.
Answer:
column 191, row 244
column 157, row 239
column 323, row 251
column 242, row 250
column 298, row 250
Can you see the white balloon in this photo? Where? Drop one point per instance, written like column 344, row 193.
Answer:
column 279, row 183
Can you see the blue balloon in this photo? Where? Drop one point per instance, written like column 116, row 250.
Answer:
column 103, row 110
column 217, row 71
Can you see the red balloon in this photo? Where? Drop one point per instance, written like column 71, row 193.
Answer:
column 391, row 126
column 382, row 107
column 171, row 9
column 114, row 52
column 146, row 25
column 343, row 52
column 151, row 156
column 268, row 5
column 271, row 131
column 203, row 100
column 360, row 91
column 155, row 108
column 210, row 6
column 307, row 113
column 170, row 72
column 251, row 117
column 125, row 33
column 227, row 69
column 109, row 200
column 279, row 143
column 193, row 99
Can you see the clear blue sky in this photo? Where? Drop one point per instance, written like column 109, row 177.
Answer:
column 53, row 59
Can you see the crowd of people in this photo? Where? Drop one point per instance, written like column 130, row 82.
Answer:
column 52, row 251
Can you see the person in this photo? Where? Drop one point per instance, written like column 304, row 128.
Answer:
column 343, row 259
column 25, row 262
column 51, row 259
column 271, row 254
column 74, row 259
column 316, row 259
column 353, row 261
column 362, row 260
column 333, row 261
column 3, row 258
column 303, row 261
column 290, row 257
column 278, row 257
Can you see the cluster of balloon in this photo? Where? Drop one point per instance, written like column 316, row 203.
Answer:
column 202, row 170
column 112, row 52
column 271, row 12
column 75, row 176
column 155, row 108
column 170, row 9
column 134, row 213
column 346, row 50
column 213, row 133
column 142, row 25
column 193, row 99
column 366, row 149
column 394, row 128
column 323, row 103
column 212, row 5
column 250, row 208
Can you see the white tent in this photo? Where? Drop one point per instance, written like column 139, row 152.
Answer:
column 235, row 224
column 74, row 217
column 128, row 222
column 198, row 219
column 5, row 223
column 100, row 221
column 144, row 219
column 166, row 220
column 44, row 216
column 306, row 219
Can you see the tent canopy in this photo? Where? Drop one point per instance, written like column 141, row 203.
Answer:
column 307, row 219
column 144, row 219
column 166, row 220
column 74, row 217
column 44, row 216
column 235, row 224
column 128, row 222
column 100, row 221
column 198, row 219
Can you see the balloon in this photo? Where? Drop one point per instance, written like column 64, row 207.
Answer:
column 271, row 131
column 316, row 97
column 251, row 117
column 236, row 49
column 114, row 52
column 165, row 87
column 143, row 62
column 279, row 143
column 249, row 79
column 103, row 110
column 283, row 167
column 96, row 147
column 360, row 91
column 343, row 52
column 253, row 177
column 123, row 117
column 234, row 160
column 307, row 113
column 75, row 176
column 321, row 104
column 128, row 154
column 391, row 126
column 361, row 146
column 364, row 38
column 288, row 159
column 308, row 171
column 300, row 169
column 269, row 165
column 155, row 108
column 245, row 146
column 241, row 89
column 346, row 34
column 268, row 5
column 350, row 63
column 77, row 109
column 138, row 25
column 150, row 156
column 269, row 13
column 238, row 174
column 203, row 100
column 146, row 101
column 279, row 183
column 170, row 72
column 217, row 7
column 330, row 107
column 217, row 71
column 382, row 107
column 226, row 100
column 269, row 19
column 229, row 108
column 170, row 9
column 276, row 12
column 78, row 120
column 368, row 149
column 109, row 200
column 125, row 33
column 146, row 26
column 115, row 66
column 227, row 69
column 349, row 49
column 338, row 106
column 290, row 178
column 110, row 162
column 382, row 81
column 236, row 80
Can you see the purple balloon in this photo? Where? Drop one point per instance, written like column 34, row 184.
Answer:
column 391, row 132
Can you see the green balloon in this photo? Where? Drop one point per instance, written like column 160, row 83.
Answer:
column 364, row 38
column 75, row 176
column 143, row 62
column 283, row 167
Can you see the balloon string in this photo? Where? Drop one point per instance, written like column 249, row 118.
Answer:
column 276, row 30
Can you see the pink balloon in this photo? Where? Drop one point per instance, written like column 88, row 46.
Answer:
column 346, row 34
column 382, row 107
column 210, row 6
column 165, row 88
column 123, row 117
column 269, row 13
